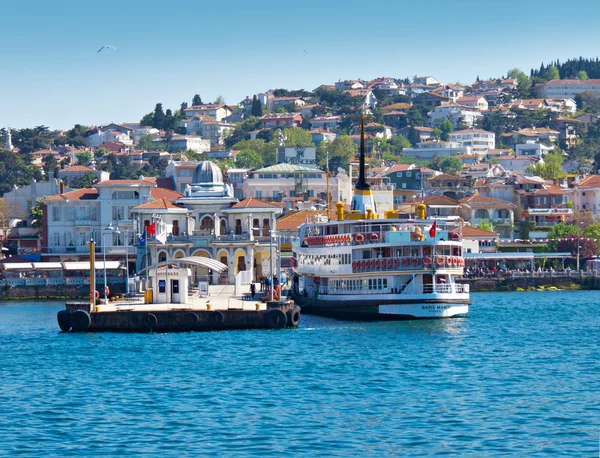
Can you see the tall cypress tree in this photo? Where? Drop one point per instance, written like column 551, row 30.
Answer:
column 197, row 100
column 257, row 108
column 158, row 119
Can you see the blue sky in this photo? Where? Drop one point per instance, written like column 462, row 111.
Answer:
column 51, row 74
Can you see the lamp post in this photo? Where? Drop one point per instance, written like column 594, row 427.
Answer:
column 109, row 230
column 578, row 248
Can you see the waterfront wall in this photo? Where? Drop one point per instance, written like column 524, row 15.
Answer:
column 52, row 291
column 574, row 281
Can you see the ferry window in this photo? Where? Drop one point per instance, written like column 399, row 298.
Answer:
column 409, row 173
column 385, row 283
column 399, row 174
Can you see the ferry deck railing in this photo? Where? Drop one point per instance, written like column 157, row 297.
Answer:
column 427, row 289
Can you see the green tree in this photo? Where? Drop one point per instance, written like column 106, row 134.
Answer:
column 257, row 108
column 451, row 165
column 551, row 169
column 485, row 225
column 249, row 159
column 147, row 120
column 145, row 142
column 36, row 212
column 84, row 157
column 266, row 150
column 295, row 136
column 562, row 230
column 399, row 142
column 50, row 166
column 582, row 75
column 518, row 75
column 437, row 133
column 16, row 169
column 183, row 106
column 196, row 100
column 100, row 153
column 446, row 128
column 551, row 73
column 220, row 100
column 341, row 151
column 158, row 118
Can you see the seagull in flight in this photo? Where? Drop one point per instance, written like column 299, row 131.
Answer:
column 305, row 51
column 108, row 47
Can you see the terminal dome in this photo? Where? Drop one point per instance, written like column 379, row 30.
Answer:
column 207, row 173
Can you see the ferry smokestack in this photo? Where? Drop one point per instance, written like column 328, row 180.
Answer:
column 362, row 182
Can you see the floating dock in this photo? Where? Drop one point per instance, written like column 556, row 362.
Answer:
column 139, row 317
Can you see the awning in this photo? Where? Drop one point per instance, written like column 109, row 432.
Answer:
column 85, row 265
column 47, row 266
column 527, row 255
column 17, row 266
column 209, row 263
column 553, row 255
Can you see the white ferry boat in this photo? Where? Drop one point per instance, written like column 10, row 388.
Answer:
column 365, row 267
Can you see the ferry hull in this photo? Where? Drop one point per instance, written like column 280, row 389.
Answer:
column 388, row 310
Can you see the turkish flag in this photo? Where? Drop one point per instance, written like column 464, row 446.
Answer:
column 151, row 228
column 432, row 230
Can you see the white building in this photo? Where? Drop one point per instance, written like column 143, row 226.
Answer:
column 456, row 114
column 282, row 181
column 325, row 122
column 21, row 200
column 214, row 110
column 425, row 80
column 106, row 136
column 206, row 127
column 532, row 149
column 431, row 149
column 561, row 89
column 73, row 175
column 74, row 218
column 186, row 142
column 476, row 101
column 479, row 141
column 586, row 194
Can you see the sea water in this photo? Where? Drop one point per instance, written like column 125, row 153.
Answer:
column 518, row 377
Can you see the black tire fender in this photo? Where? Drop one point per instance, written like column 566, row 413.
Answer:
column 80, row 320
column 150, row 321
column 276, row 319
column 216, row 318
column 293, row 317
column 64, row 320
column 190, row 320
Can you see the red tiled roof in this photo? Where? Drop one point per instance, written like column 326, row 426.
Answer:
column 76, row 168
column 469, row 231
column 253, row 202
column 398, row 168
column 77, row 194
column 162, row 203
column 163, row 193
column 439, row 200
column 593, row 181
column 485, row 201
column 572, row 82
column 145, row 181
column 294, row 220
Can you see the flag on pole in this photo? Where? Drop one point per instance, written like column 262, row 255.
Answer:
column 161, row 233
column 432, row 230
column 151, row 228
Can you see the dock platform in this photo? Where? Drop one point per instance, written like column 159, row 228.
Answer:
column 201, row 314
